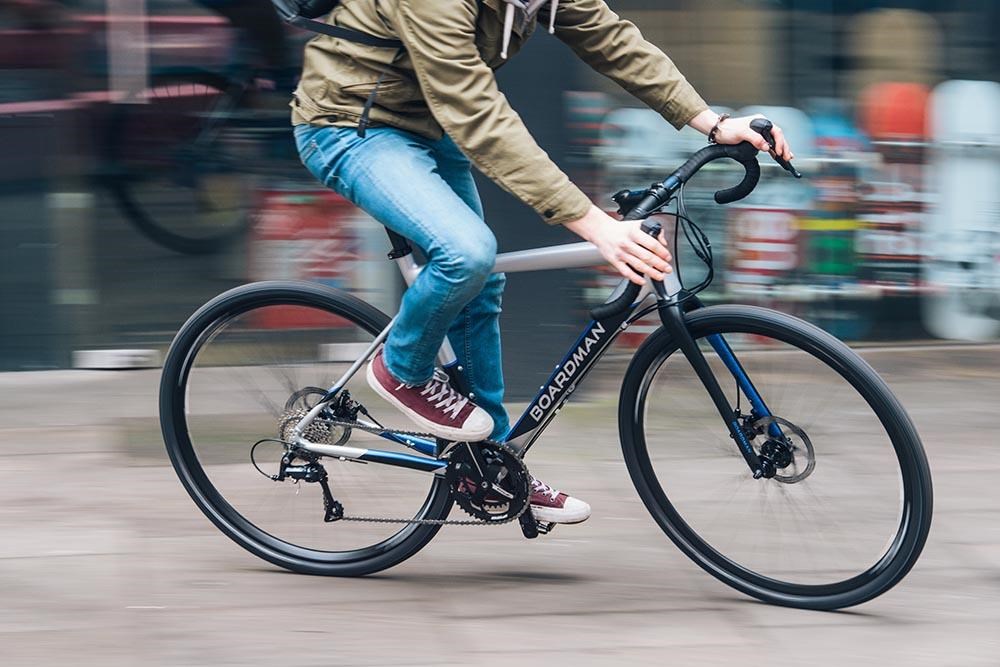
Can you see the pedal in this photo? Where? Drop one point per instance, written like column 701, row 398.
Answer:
column 532, row 527
column 529, row 526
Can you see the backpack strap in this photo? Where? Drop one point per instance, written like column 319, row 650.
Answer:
column 289, row 13
column 343, row 33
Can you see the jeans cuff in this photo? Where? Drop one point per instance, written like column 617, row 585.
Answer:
column 404, row 376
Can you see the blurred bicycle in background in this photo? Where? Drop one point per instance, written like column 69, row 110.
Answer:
column 183, row 156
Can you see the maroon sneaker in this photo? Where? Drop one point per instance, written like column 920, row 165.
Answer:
column 551, row 506
column 434, row 406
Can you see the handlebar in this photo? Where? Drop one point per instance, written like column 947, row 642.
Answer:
column 639, row 205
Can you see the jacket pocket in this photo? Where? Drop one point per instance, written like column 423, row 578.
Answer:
column 392, row 93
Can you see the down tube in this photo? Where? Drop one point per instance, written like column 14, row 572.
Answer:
column 725, row 353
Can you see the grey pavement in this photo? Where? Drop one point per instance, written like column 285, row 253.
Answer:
column 104, row 560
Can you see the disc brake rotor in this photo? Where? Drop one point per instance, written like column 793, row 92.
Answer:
column 794, row 444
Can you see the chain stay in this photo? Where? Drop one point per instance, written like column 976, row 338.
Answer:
column 376, row 430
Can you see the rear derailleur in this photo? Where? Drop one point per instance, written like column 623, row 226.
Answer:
column 312, row 471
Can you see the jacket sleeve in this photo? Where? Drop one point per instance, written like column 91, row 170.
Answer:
column 462, row 94
column 615, row 48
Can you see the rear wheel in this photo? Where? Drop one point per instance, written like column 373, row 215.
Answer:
column 237, row 370
column 848, row 512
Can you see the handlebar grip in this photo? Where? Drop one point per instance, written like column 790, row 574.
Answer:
column 744, row 188
column 628, row 297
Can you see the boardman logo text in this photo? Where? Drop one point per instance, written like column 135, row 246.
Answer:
column 567, row 373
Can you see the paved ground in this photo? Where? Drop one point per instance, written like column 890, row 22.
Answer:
column 105, row 561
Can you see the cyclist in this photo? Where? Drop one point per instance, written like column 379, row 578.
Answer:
column 394, row 131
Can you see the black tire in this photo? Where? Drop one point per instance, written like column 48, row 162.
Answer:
column 177, row 418
column 155, row 163
column 816, row 353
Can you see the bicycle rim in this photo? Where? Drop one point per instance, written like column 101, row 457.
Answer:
column 234, row 374
column 847, row 522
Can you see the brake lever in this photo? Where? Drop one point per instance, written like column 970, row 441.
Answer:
column 763, row 127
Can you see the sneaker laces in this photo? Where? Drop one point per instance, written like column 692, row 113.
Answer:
column 529, row 7
column 439, row 389
column 538, row 486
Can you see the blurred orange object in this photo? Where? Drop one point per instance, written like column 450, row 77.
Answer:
column 895, row 111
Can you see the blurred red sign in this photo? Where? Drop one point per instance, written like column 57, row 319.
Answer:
column 304, row 235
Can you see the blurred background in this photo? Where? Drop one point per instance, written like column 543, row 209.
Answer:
column 147, row 165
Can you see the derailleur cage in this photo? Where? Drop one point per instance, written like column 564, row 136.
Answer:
column 313, row 472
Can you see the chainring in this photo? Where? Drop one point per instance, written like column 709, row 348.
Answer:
column 489, row 481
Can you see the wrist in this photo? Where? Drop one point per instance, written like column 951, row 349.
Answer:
column 713, row 134
column 705, row 121
column 586, row 226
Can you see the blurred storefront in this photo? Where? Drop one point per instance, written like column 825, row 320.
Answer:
column 891, row 108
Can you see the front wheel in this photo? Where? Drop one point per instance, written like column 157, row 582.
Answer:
column 244, row 368
column 848, row 512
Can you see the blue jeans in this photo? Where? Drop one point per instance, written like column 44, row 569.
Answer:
column 423, row 190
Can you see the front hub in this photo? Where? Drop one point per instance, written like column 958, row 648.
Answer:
column 787, row 454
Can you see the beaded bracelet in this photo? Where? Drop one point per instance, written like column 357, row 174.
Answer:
column 715, row 130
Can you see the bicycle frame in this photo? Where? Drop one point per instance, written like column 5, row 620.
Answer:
column 582, row 356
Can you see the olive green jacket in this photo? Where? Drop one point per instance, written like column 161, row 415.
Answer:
column 442, row 81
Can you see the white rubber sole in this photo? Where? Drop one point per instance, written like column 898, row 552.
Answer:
column 576, row 512
column 445, row 432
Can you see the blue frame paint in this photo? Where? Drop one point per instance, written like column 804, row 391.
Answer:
column 725, row 353
column 423, row 446
column 402, row 460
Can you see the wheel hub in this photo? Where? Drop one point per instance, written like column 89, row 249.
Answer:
column 787, row 456
column 320, row 430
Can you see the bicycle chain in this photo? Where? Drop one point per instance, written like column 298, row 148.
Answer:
column 377, row 430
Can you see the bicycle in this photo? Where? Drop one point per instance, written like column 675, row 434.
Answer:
column 827, row 459
column 183, row 156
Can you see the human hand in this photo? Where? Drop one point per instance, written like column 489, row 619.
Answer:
column 735, row 130
column 633, row 252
